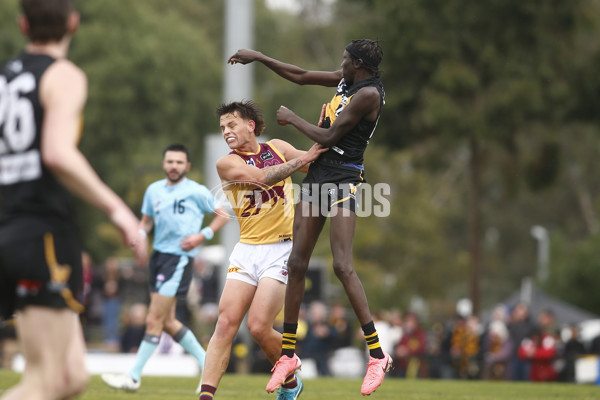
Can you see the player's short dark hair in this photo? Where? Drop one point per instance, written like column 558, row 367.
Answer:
column 369, row 51
column 47, row 18
column 177, row 147
column 248, row 110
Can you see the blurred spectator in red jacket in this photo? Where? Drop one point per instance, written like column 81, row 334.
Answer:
column 540, row 350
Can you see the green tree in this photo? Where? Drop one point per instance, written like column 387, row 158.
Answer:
column 154, row 72
column 478, row 75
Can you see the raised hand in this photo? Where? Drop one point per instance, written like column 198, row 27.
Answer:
column 243, row 56
column 284, row 115
column 322, row 116
column 128, row 224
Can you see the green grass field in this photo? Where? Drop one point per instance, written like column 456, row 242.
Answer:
column 242, row 387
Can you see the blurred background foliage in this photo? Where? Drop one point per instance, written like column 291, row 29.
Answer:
column 490, row 127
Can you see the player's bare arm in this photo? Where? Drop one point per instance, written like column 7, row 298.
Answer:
column 219, row 221
column 289, row 152
column 364, row 104
column 290, row 72
column 63, row 91
column 221, row 218
column 233, row 169
column 146, row 224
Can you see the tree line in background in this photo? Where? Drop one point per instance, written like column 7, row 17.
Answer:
column 490, row 127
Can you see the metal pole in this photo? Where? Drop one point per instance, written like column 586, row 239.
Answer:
column 543, row 253
column 238, row 84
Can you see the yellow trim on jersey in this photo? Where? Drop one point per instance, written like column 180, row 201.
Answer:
column 276, row 151
column 60, row 274
column 250, row 153
column 336, row 104
column 80, row 134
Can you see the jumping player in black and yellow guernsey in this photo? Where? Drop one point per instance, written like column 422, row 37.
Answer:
column 350, row 120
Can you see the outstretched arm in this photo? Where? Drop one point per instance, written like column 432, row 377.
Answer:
column 288, row 71
column 365, row 104
column 63, row 91
column 233, row 169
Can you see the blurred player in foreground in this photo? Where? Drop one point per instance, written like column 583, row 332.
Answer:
column 175, row 207
column 350, row 121
column 42, row 96
column 255, row 176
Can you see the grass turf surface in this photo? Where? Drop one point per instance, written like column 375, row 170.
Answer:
column 242, row 387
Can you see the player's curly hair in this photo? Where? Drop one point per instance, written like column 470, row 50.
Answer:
column 369, row 51
column 47, row 19
column 248, row 110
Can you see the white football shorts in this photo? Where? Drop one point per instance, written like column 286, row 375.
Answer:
column 252, row 262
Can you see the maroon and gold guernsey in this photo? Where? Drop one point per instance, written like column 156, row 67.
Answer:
column 266, row 215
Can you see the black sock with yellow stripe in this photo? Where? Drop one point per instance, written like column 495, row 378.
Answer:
column 372, row 340
column 288, row 342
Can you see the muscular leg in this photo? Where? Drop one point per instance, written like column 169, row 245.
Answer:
column 54, row 351
column 76, row 369
column 342, row 234
column 184, row 336
column 160, row 308
column 308, row 224
column 267, row 303
column 234, row 304
column 172, row 325
column 341, row 238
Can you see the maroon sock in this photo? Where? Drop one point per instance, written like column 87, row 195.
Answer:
column 207, row 392
column 290, row 382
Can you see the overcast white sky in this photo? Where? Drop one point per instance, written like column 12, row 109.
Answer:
column 292, row 6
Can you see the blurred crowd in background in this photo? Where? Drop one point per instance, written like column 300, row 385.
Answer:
column 512, row 345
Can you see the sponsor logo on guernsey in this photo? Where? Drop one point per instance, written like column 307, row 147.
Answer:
column 266, row 156
column 250, row 161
